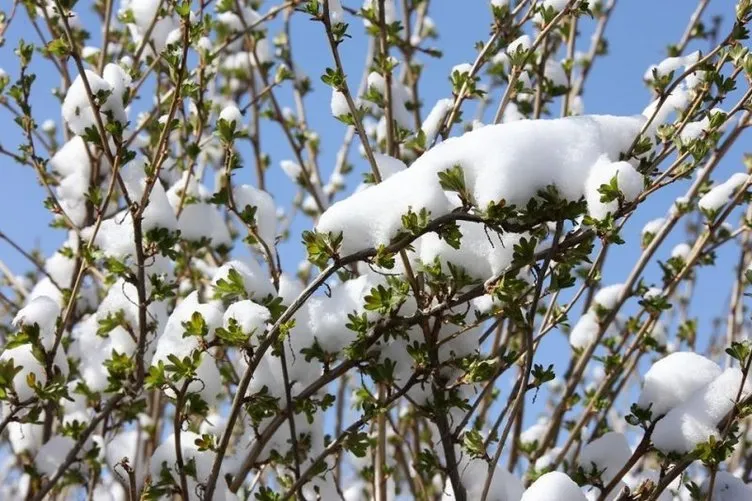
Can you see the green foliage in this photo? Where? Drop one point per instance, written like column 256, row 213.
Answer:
column 321, row 247
column 453, row 180
column 473, row 443
column 231, row 288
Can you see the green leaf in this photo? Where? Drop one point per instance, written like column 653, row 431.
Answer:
column 196, row 326
column 58, row 47
column 453, row 179
column 230, row 288
column 321, row 247
column 233, row 335
column 610, row 192
column 739, row 351
column 357, row 443
column 473, row 443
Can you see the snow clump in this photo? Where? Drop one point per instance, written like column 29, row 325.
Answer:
column 553, row 486
column 720, row 195
column 502, row 162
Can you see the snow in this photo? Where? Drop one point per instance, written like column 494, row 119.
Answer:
column 144, row 11
column 535, row 432
column 280, row 441
column 231, row 114
column 695, row 130
column 119, row 80
column 23, row 356
column 268, row 374
column 500, row 59
column 669, row 65
column 158, row 212
column 234, row 22
column 45, row 287
column 207, row 382
column 553, row 486
column 462, row 69
column 720, row 195
column 42, row 311
column 49, row 126
column 608, row 297
column 673, row 379
column 174, row 37
column 607, row 453
column 388, row 166
column 554, row 71
column 293, row 170
column 585, row 331
column 676, row 101
column 201, row 220
column 52, row 11
column 164, row 457
column 653, row 226
column 92, row 350
column 289, row 288
column 633, row 481
column 336, row 14
column 18, row 489
column 728, row 487
column 71, row 163
column 577, row 106
column 557, row 5
column 664, row 68
column 512, row 114
column 484, row 253
column 629, row 182
column 504, row 485
column 339, row 104
column 521, row 43
column 115, row 236
column 25, row 436
column 327, row 316
column 681, row 251
column 204, row 44
column 52, row 454
column 659, row 333
column 500, row 162
column 266, row 211
column 77, row 110
column 390, row 10
column 400, row 98
column 124, row 445
column 432, row 123
column 255, row 280
column 109, row 490
column 61, row 267
column 171, row 340
column 123, row 296
column 251, row 317
column 695, row 420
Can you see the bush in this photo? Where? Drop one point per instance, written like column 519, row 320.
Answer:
column 171, row 348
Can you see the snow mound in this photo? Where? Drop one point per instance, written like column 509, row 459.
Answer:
column 503, row 162
column 608, row 453
column 673, row 379
column 696, row 420
column 553, row 486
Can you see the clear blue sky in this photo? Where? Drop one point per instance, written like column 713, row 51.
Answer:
column 638, row 35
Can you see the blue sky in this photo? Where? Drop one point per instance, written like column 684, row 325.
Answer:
column 637, row 35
